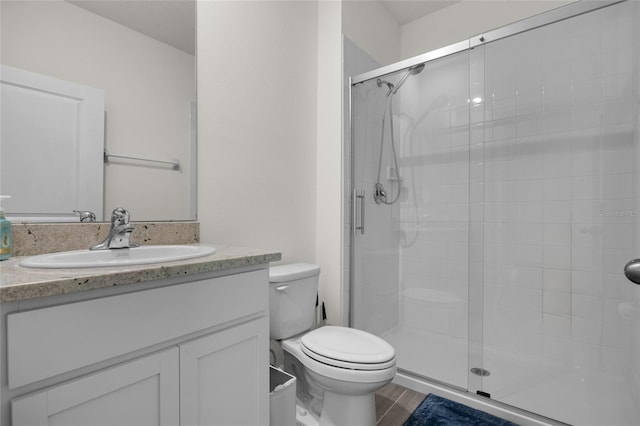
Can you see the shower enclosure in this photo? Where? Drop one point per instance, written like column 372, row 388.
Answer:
column 514, row 157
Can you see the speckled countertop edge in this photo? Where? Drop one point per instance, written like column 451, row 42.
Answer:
column 18, row 283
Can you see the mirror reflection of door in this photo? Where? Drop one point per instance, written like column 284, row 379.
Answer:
column 149, row 88
column 51, row 147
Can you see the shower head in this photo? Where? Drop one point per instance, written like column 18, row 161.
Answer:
column 416, row 69
column 389, row 85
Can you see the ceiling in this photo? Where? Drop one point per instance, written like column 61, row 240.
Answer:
column 170, row 21
column 405, row 11
column 173, row 21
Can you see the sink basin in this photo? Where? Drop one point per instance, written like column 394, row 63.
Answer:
column 116, row 257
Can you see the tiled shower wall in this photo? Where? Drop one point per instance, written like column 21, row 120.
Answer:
column 559, row 190
column 433, row 215
column 552, row 185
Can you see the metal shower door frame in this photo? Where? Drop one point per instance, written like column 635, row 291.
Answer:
column 536, row 21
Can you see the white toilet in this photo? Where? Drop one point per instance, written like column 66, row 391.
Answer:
column 338, row 369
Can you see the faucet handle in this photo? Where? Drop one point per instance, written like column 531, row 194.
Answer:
column 119, row 233
column 119, row 216
column 86, row 215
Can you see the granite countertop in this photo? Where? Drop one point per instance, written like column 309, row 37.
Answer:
column 18, row 283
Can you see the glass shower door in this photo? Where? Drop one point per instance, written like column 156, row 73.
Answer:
column 561, row 206
column 375, row 254
column 499, row 270
column 410, row 266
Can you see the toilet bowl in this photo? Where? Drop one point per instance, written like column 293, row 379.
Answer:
column 338, row 368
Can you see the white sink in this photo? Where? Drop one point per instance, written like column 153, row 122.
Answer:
column 116, row 257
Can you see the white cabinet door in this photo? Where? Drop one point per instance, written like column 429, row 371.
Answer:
column 224, row 377
column 140, row 392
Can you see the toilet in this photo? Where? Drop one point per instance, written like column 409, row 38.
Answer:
column 338, row 369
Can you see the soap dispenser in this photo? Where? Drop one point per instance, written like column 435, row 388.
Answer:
column 6, row 240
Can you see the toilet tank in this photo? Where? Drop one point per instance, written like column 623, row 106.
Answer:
column 293, row 290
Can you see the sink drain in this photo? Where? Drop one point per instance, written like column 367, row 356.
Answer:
column 480, row 371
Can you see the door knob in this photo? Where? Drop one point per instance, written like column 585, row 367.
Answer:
column 632, row 271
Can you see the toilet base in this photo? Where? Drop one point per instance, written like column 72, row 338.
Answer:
column 339, row 411
column 355, row 410
column 333, row 401
column 305, row 417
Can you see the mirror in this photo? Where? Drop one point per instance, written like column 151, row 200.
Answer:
column 141, row 55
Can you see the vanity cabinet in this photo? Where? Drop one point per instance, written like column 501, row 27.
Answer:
column 141, row 392
column 220, row 377
column 190, row 352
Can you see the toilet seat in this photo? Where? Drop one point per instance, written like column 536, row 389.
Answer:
column 348, row 348
column 293, row 346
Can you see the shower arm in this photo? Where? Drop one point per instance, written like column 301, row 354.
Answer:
column 401, row 82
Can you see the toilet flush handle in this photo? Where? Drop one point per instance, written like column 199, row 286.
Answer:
column 283, row 288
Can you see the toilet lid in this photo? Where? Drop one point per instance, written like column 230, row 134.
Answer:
column 348, row 348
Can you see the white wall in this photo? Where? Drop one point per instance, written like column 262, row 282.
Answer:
column 370, row 26
column 329, row 162
column 463, row 20
column 143, row 117
column 257, row 132
column 270, row 145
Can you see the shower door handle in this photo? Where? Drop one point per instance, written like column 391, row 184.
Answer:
column 358, row 196
column 632, row 271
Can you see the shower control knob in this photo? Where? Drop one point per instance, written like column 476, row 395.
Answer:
column 632, row 271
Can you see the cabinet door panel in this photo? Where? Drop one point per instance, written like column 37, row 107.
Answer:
column 141, row 392
column 224, row 377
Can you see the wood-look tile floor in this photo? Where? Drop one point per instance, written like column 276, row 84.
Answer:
column 394, row 404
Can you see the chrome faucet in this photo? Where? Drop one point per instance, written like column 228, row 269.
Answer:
column 120, row 232
column 86, row 215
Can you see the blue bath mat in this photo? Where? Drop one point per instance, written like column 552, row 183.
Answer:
column 437, row 411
